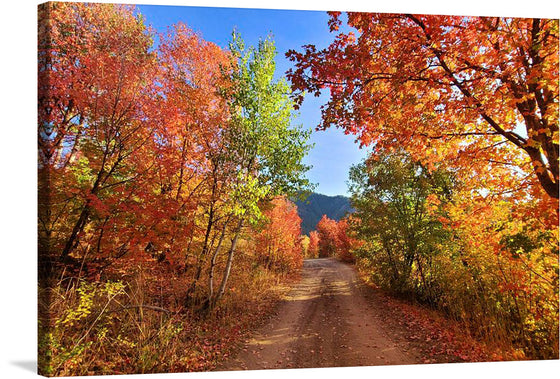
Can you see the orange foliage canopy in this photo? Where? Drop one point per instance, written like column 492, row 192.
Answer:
column 333, row 240
column 478, row 94
column 93, row 65
column 278, row 245
column 344, row 242
column 126, row 131
column 93, row 100
column 328, row 232
column 313, row 248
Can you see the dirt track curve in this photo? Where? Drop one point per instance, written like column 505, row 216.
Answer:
column 325, row 321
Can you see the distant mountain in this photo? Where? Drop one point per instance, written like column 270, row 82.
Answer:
column 316, row 205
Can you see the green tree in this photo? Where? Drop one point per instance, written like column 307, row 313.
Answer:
column 393, row 197
column 265, row 148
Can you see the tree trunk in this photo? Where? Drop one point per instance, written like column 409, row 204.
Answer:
column 200, row 261
column 102, row 177
column 548, row 177
column 229, row 263
column 213, row 264
column 72, row 241
column 424, row 283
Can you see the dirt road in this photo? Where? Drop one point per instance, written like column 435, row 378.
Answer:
column 325, row 321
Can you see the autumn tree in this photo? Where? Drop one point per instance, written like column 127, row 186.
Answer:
column 95, row 146
column 278, row 245
column 331, row 239
column 154, row 161
column 392, row 196
column 193, row 172
column 419, row 237
column 345, row 244
column 313, row 248
column 327, row 231
column 263, row 146
column 475, row 97
column 92, row 101
column 467, row 91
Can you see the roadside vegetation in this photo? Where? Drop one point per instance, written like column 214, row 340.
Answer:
column 457, row 204
column 164, row 227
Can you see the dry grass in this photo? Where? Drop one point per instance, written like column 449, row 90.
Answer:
column 139, row 324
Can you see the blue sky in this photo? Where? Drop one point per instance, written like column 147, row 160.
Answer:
column 334, row 152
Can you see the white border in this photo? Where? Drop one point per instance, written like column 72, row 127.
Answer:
column 18, row 186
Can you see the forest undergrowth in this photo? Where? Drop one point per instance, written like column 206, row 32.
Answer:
column 95, row 333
